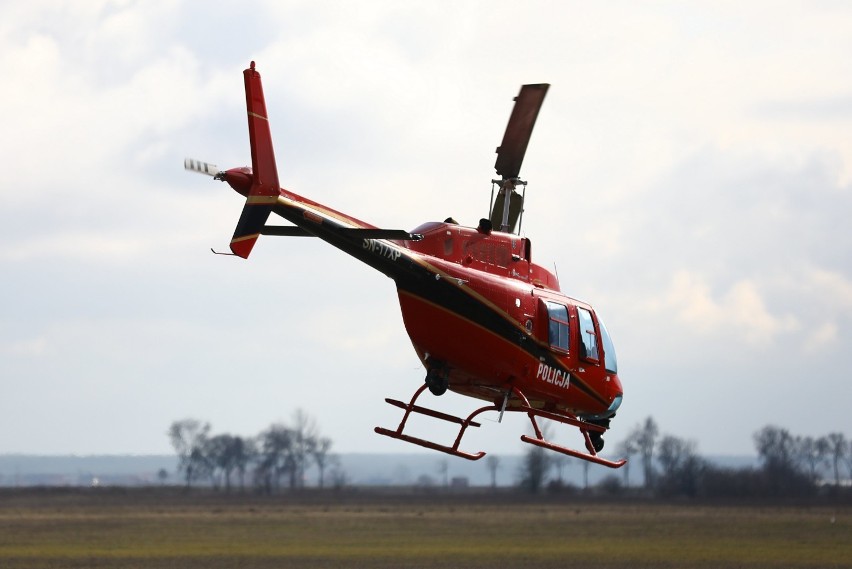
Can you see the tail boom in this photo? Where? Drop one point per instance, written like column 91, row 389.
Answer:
column 265, row 196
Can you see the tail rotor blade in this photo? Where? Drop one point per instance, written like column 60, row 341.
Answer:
column 201, row 167
column 260, row 183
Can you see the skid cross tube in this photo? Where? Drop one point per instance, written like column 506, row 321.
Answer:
column 410, row 408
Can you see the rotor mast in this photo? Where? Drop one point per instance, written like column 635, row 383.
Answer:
column 508, row 206
column 510, row 218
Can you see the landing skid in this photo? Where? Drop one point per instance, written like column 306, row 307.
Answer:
column 571, row 452
column 412, row 408
column 532, row 413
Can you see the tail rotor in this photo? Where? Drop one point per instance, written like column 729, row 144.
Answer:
column 260, row 182
column 201, row 167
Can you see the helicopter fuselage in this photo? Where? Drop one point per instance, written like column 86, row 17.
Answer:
column 477, row 309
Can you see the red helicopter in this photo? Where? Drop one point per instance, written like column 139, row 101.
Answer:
column 484, row 319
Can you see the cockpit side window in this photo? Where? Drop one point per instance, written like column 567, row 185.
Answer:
column 557, row 315
column 588, row 337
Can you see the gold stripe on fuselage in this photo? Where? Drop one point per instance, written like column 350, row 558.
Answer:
column 260, row 200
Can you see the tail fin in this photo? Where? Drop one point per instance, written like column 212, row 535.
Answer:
column 265, row 189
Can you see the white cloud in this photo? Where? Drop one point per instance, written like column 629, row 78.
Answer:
column 824, row 337
column 71, row 245
column 737, row 315
column 833, row 287
column 30, row 348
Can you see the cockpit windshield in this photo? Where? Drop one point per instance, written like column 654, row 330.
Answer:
column 609, row 349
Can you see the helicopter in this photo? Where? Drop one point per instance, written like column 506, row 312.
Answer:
column 485, row 321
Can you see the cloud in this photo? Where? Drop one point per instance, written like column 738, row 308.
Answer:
column 30, row 348
column 737, row 315
column 834, row 287
column 827, row 109
column 689, row 307
column 824, row 337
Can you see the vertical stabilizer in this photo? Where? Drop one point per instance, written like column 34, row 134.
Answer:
column 265, row 189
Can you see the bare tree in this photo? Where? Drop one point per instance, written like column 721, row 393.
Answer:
column 277, row 451
column 245, row 450
column 673, row 451
column 274, row 459
column 188, row 437
column 776, row 449
column 200, row 466
column 559, row 462
column 215, row 449
column 304, row 438
column 681, row 466
column 811, row 453
column 224, row 453
column 320, row 454
column 627, row 448
column 781, row 473
column 536, row 463
column 838, row 449
column 338, row 475
column 443, row 469
column 645, row 438
column 493, row 463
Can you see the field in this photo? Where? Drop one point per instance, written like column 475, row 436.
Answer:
column 166, row 528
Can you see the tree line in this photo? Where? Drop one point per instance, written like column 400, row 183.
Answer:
column 278, row 456
column 789, row 466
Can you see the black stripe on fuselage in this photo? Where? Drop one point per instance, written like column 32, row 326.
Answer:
column 446, row 293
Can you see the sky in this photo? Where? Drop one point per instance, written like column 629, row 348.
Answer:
column 690, row 176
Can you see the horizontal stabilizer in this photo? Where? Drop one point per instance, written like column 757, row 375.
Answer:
column 252, row 221
column 285, row 231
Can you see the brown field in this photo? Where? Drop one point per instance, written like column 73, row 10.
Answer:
column 159, row 528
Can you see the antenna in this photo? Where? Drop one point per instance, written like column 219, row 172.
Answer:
column 215, row 252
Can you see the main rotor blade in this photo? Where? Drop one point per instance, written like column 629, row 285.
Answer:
column 510, row 153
